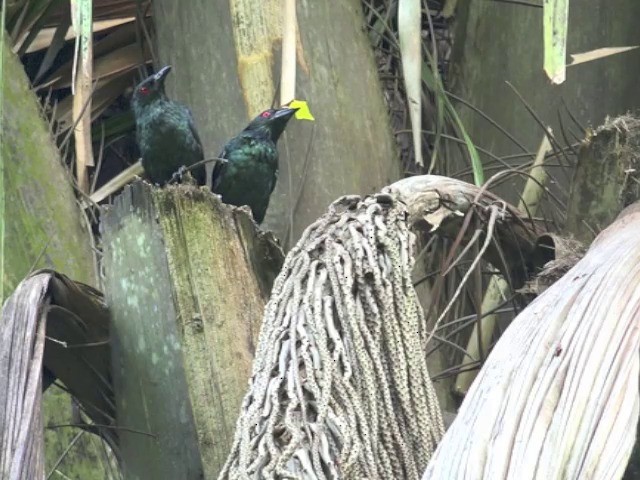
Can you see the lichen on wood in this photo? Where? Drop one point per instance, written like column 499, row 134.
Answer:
column 182, row 281
column 149, row 377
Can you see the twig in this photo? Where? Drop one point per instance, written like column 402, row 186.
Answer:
column 66, row 451
column 487, row 241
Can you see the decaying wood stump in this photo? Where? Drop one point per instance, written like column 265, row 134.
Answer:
column 606, row 177
column 186, row 279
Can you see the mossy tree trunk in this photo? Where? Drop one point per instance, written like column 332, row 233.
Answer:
column 226, row 57
column 187, row 279
column 44, row 228
column 606, row 179
column 43, row 223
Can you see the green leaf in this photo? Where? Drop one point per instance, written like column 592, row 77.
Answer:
column 555, row 21
column 434, row 84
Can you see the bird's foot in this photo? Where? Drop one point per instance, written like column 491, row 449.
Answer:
column 180, row 174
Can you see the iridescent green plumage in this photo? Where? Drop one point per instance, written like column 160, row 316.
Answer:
column 250, row 173
column 165, row 131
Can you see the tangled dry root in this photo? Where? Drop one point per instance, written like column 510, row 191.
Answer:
column 340, row 386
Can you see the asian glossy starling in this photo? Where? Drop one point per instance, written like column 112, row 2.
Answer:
column 250, row 173
column 165, row 132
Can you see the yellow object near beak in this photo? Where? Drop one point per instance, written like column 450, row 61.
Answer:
column 303, row 112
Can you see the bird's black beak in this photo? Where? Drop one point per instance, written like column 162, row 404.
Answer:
column 162, row 73
column 284, row 113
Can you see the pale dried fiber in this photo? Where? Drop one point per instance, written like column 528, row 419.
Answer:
column 340, row 386
column 21, row 351
column 51, row 321
column 558, row 396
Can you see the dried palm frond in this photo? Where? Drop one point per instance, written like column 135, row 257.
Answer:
column 54, row 323
column 112, row 41
column 558, row 396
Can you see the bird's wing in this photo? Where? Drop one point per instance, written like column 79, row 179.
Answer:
column 236, row 143
column 273, row 183
column 218, row 169
column 192, row 127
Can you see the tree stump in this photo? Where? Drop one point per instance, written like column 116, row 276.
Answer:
column 186, row 279
column 606, row 178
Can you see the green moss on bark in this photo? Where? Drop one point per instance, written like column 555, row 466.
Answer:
column 44, row 228
column 178, row 266
column 43, row 223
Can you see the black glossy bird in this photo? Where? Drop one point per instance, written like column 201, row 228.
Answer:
column 165, row 131
column 251, row 170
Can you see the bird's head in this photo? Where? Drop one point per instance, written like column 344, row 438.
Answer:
column 150, row 89
column 272, row 122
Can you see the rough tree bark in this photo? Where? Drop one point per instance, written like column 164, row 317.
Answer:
column 44, row 228
column 605, row 180
column 233, row 74
column 186, row 280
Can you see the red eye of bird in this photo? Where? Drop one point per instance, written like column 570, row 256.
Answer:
column 265, row 114
column 143, row 90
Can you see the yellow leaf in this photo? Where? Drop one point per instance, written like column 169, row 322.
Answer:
column 303, row 112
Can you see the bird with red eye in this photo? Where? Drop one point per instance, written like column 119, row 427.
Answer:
column 249, row 175
column 165, row 131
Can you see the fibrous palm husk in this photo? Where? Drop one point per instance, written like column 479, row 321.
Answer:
column 558, row 396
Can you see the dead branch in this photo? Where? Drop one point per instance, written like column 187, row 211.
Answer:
column 441, row 203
